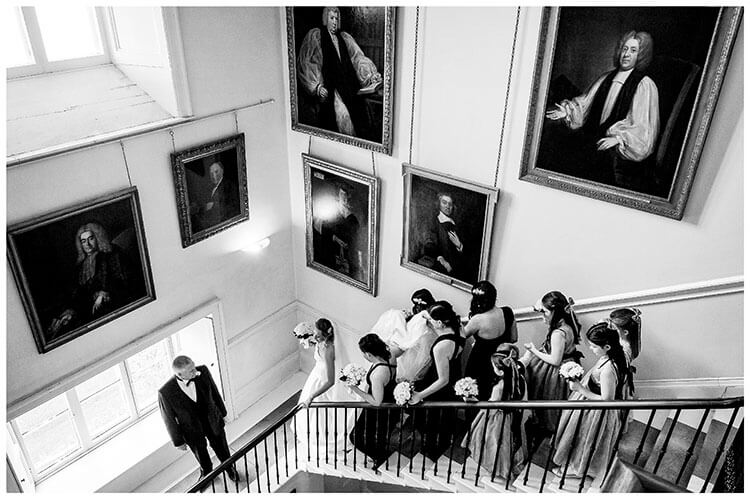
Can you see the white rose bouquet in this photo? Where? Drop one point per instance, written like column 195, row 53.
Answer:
column 305, row 333
column 403, row 392
column 352, row 375
column 571, row 371
column 467, row 389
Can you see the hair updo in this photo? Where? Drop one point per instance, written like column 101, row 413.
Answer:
column 326, row 330
column 562, row 313
column 483, row 298
column 443, row 311
column 372, row 344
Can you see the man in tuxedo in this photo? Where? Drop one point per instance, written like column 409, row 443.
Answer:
column 194, row 412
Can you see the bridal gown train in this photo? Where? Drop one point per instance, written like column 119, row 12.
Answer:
column 414, row 337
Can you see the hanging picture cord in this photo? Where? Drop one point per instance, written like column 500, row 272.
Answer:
column 374, row 174
column 236, row 124
column 309, row 144
column 507, row 96
column 125, row 159
column 413, row 86
column 171, row 134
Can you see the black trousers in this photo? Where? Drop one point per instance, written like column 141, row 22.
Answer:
column 218, row 443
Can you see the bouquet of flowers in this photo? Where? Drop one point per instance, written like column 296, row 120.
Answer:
column 305, row 332
column 571, row 371
column 402, row 392
column 352, row 375
column 467, row 389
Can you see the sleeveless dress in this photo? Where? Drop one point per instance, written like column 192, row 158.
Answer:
column 579, row 448
column 479, row 365
column 504, row 446
column 371, row 433
column 414, row 336
column 436, row 428
column 324, row 426
column 545, row 383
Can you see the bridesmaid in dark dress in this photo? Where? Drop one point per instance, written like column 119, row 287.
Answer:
column 490, row 326
column 437, row 384
column 373, row 427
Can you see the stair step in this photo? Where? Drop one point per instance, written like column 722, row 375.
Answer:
column 707, row 453
column 675, row 452
column 631, row 439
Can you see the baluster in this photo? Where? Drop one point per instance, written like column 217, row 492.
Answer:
column 400, row 437
column 257, row 469
column 573, row 444
column 481, row 448
column 268, row 469
column 317, row 436
column 666, row 440
column 286, row 455
column 276, row 457
column 616, row 447
column 296, row 434
column 510, row 446
column 387, row 434
column 439, row 436
column 354, row 431
column 499, row 444
column 691, row 449
column 552, row 445
column 346, row 436
column 602, row 417
column 307, row 415
column 236, row 482
column 424, row 439
column 247, row 474
column 468, row 439
column 645, row 435
column 335, row 435
column 450, row 458
column 325, row 415
column 720, row 450
column 364, row 437
column 224, row 479
column 213, row 486
column 413, row 413
column 376, row 414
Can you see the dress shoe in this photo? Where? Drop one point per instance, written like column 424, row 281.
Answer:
column 232, row 474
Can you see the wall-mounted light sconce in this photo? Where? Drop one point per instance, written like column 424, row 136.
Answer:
column 258, row 246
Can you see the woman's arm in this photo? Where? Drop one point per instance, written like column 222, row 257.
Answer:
column 513, row 333
column 329, row 356
column 379, row 378
column 471, row 328
column 442, row 365
column 608, row 383
column 557, row 345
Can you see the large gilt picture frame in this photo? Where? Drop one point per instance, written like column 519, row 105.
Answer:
column 622, row 101
column 447, row 226
column 81, row 267
column 341, row 207
column 211, row 188
column 347, row 99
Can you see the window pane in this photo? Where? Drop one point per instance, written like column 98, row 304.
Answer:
column 48, row 433
column 149, row 370
column 69, row 31
column 17, row 49
column 106, row 407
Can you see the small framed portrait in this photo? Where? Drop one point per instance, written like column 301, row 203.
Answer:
column 341, row 206
column 211, row 186
column 447, row 227
column 623, row 99
column 341, row 73
column 81, row 267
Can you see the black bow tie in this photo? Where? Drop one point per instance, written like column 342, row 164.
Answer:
column 187, row 383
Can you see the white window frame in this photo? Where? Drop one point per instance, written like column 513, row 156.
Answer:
column 42, row 64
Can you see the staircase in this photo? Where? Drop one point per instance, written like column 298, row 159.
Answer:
column 683, row 446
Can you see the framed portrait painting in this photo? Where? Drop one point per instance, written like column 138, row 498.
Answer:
column 623, row 99
column 211, row 186
column 447, row 227
column 81, row 267
column 341, row 207
column 341, row 73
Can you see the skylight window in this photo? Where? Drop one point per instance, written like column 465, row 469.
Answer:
column 18, row 49
column 69, row 32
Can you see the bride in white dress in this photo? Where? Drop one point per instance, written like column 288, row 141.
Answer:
column 327, row 427
column 409, row 336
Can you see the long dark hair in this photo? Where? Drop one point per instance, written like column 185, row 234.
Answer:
column 443, row 311
column 601, row 334
column 483, row 298
column 372, row 344
column 326, row 329
column 629, row 319
column 562, row 313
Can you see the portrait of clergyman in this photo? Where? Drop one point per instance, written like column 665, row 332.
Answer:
column 340, row 62
column 615, row 90
column 81, row 267
column 211, row 184
column 447, row 227
column 341, row 232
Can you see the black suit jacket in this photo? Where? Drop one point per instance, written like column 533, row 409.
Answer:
column 182, row 416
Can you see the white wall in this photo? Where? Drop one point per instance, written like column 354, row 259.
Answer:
column 250, row 287
column 543, row 238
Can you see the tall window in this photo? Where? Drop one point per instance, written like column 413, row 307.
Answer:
column 60, row 430
column 53, row 38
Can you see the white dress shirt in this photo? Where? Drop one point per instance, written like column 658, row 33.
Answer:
column 188, row 389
